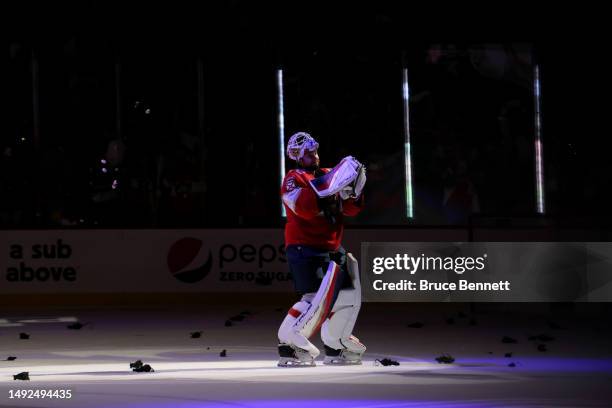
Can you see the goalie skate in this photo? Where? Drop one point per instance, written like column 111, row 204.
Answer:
column 292, row 356
column 341, row 357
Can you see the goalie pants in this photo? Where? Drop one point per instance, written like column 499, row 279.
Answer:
column 308, row 266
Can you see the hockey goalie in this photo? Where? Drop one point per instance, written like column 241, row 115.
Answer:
column 325, row 276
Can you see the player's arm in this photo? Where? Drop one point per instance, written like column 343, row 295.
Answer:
column 300, row 199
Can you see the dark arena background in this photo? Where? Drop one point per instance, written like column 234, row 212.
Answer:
column 141, row 158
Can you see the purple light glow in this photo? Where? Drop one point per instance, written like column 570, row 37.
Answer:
column 335, row 403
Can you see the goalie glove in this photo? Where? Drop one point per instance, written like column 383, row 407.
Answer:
column 337, row 178
column 346, row 193
column 354, row 189
column 360, row 181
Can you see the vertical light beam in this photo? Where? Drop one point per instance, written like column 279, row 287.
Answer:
column 281, row 130
column 539, row 157
column 407, row 148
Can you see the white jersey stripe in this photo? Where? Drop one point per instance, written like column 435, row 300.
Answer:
column 290, row 198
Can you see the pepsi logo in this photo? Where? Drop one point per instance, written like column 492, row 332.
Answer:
column 189, row 261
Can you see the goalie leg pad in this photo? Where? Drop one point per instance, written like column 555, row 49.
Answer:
column 336, row 331
column 287, row 334
column 310, row 321
column 306, row 316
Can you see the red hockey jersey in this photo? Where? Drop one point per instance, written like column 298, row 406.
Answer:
column 306, row 224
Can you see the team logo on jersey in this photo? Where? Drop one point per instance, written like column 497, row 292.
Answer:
column 188, row 261
column 290, row 185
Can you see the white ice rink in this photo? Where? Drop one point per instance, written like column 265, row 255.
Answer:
column 93, row 362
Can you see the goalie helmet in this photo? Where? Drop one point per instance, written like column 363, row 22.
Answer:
column 299, row 143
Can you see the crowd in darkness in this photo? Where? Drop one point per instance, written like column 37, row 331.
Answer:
column 138, row 136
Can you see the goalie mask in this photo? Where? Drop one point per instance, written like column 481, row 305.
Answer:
column 299, row 143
